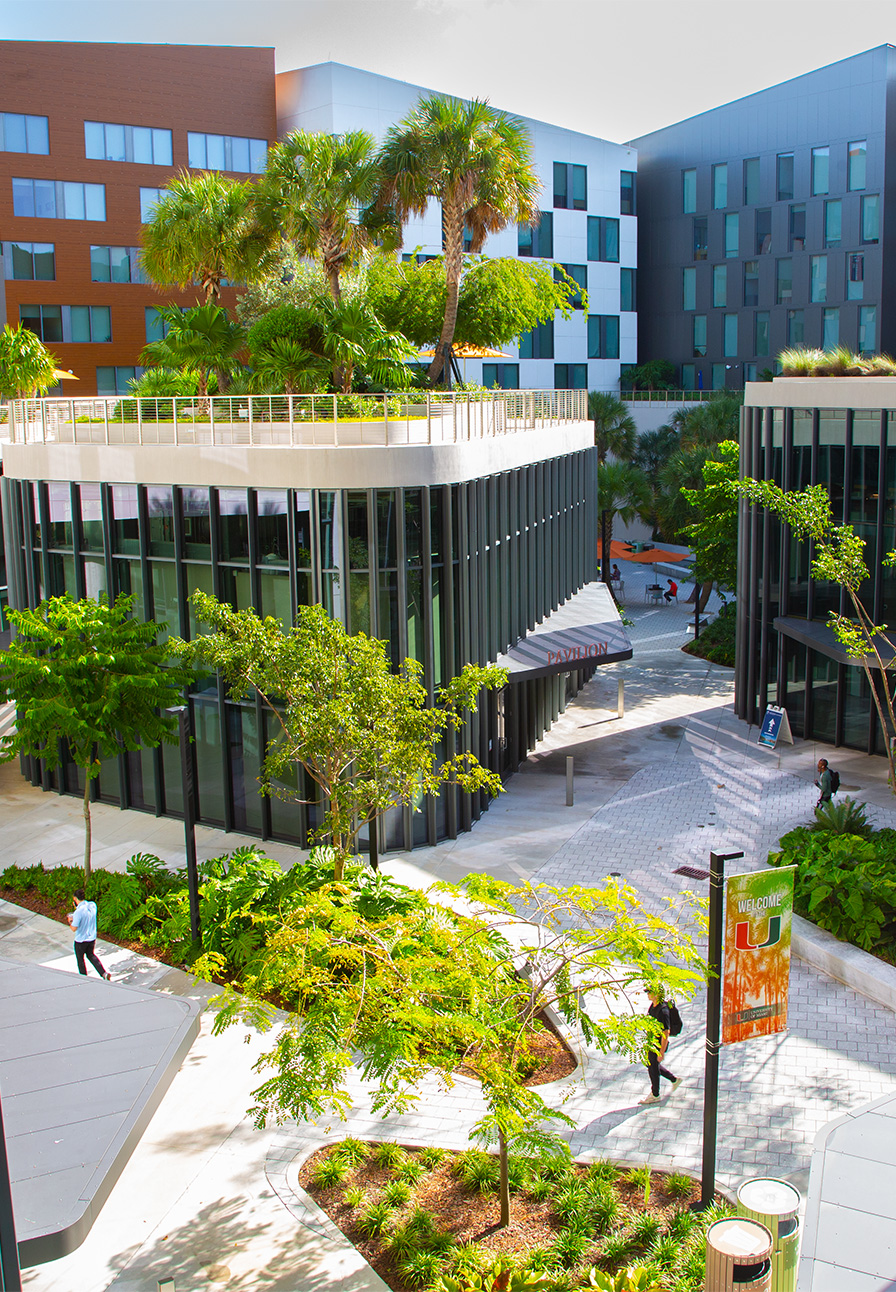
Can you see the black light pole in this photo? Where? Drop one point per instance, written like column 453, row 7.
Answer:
column 713, row 1023
column 10, row 1275
column 188, row 780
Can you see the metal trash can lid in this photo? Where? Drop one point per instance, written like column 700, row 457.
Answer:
column 769, row 1197
column 740, row 1238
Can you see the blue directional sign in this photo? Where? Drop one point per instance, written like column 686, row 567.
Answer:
column 775, row 727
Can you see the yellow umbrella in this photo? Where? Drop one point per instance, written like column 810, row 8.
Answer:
column 465, row 352
column 65, row 376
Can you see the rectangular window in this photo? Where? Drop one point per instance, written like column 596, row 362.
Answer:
column 603, row 238
column 116, row 381
column 870, row 218
column 149, row 199
column 501, row 376
column 699, row 335
column 798, row 228
column 603, row 336
column 830, row 329
column 855, row 276
column 29, row 260
column 751, row 282
column 796, row 330
column 763, row 231
column 689, row 288
column 537, row 239
column 539, row 343
column 689, row 191
column 720, row 186
column 821, row 171
column 628, row 282
column 818, row 279
column 570, row 186
column 701, row 237
column 719, row 286
column 855, row 174
column 579, row 273
column 24, row 134
column 226, row 152
column 688, row 376
column 48, row 199
column 729, row 336
column 785, row 177
column 833, row 222
column 116, row 265
column 761, row 323
column 628, row 193
column 570, row 376
column 144, row 144
column 717, row 376
column 44, row 321
column 783, row 281
column 156, row 330
column 68, row 323
column 867, row 329
column 732, row 235
column 751, row 181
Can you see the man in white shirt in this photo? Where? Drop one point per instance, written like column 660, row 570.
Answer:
column 83, row 921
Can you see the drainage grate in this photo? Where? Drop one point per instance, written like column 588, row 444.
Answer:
column 692, row 872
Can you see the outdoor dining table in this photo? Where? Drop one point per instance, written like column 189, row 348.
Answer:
column 654, row 592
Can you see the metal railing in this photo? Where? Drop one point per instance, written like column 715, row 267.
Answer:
column 415, row 418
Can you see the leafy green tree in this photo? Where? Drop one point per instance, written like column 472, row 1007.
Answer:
column 652, row 451
column 714, row 534
column 707, row 424
column 478, row 163
column 88, row 675
column 621, row 491
column 26, row 365
column 364, row 734
column 204, row 339
column 655, row 374
column 203, row 230
column 615, row 431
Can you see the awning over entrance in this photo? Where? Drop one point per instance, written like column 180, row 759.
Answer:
column 585, row 630
column 820, row 636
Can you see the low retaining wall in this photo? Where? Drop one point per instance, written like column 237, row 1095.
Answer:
column 866, row 974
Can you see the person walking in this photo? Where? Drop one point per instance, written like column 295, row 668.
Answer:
column 825, row 788
column 659, row 1011
column 83, row 921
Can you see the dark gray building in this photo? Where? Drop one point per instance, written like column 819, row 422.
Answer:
column 763, row 223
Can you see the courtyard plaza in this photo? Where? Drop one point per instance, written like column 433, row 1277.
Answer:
column 208, row 1200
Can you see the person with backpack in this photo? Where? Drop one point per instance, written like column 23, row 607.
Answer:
column 825, row 782
column 670, row 1021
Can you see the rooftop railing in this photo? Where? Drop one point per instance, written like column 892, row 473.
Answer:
column 300, row 421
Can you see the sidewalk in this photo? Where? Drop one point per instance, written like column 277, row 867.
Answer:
column 209, row 1200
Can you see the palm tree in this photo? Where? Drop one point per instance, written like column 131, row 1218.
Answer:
column 478, row 163
column 621, row 491
column 615, row 431
column 204, row 229
column 314, row 189
column 652, row 452
column 26, row 365
column 204, row 338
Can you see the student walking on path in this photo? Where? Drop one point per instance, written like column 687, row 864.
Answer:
column 825, row 788
column 659, row 1011
column 83, row 921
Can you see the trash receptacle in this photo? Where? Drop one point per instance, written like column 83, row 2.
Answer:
column 775, row 1204
column 738, row 1256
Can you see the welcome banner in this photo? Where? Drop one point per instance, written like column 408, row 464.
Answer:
column 756, row 975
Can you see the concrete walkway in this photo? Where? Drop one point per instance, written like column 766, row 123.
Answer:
column 212, row 1202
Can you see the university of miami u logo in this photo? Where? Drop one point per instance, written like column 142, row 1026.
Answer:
column 742, row 935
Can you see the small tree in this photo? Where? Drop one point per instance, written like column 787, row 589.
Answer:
column 26, row 365
column 203, row 339
column 714, row 535
column 364, row 734
column 86, row 674
column 615, row 431
column 621, row 491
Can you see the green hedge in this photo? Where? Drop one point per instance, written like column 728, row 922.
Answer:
column 716, row 640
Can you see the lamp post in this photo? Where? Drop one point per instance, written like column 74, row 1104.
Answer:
column 188, row 781
column 10, row 1274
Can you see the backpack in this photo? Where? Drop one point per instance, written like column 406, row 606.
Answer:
column 835, row 780
column 675, row 1023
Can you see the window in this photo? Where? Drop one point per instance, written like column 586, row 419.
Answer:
column 49, row 199
column 689, row 288
column 798, row 228
column 76, row 323
column 227, row 152
column 855, row 276
column 867, row 329
column 796, row 329
column 818, row 279
column 701, row 237
column 821, row 171
column 603, row 336
column 504, row 376
column 628, row 193
column 29, row 260
column 23, row 134
column 749, row 372
column 149, row 198
column 855, row 171
column 539, row 343
column 763, row 231
column 830, row 329
column 570, row 186
column 720, row 187
column 833, row 222
column 729, row 336
column 751, row 282
column 717, row 377
column 603, row 238
column 732, row 235
column 785, row 177
column 699, row 335
column 870, row 218
column 628, row 281
column 783, row 281
column 719, row 286
column 761, row 330
column 143, row 144
column 579, row 274
column 751, row 181
column 538, row 239
column 570, row 376
column 156, row 330
column 116, row 381
column 688, row 376
column 689, row 191
column 116, row 265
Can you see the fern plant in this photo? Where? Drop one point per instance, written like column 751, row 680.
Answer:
column 846, row 816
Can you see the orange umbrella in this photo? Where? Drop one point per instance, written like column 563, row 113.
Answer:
column 618, row 551
column 654, row 555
